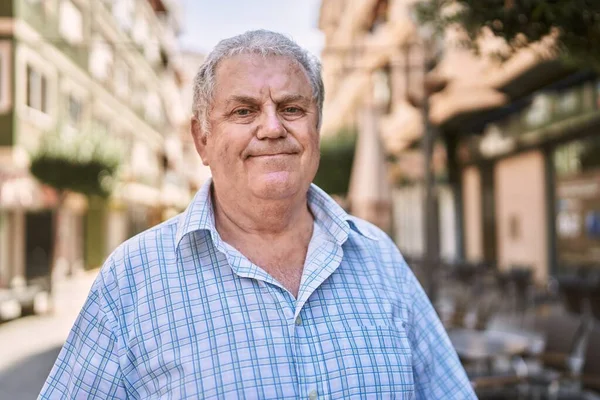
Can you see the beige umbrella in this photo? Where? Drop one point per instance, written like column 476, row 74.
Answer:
column 369, row 193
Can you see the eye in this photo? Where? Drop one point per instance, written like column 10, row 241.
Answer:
column 291, row 110
column 242, row 112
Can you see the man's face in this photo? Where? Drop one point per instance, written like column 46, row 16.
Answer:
column 263, row 138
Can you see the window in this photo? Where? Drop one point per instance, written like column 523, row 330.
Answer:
column 382, row 91
column 577, row 202
column 5, row 76
column 140, row 30
column 37, row 90
column 152, row 50
column 153, row 111
column 123, row 13
column 101, row 58
column 540, row 111
column 379, row 15
column 70, row 22
column 74, row 110
column 139, row 95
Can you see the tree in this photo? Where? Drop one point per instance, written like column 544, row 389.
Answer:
column 521, row 22
column 81, row 163
column 335, row 167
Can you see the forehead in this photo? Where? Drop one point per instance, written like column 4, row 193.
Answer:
column 255, row 75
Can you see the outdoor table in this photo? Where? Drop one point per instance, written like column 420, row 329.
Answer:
column 483, row 347
column 472, row 345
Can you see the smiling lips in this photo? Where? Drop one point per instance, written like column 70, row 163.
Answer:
column 277, row 148
column 271, row 155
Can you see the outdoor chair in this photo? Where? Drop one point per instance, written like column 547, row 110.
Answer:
column 574, row 293
column 562, row 333
column 589, row 378
column 487, row 307
column 595, row 301
column 521, row 279
column 590, row 373
column 498, row 387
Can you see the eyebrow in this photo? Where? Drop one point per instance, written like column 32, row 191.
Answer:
column 254, row 101
column 290, row 98
column 242, row 99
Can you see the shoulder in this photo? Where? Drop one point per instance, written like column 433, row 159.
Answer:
column 139, row 257
column 147, row 246
column 369, row 238
column 129, row 271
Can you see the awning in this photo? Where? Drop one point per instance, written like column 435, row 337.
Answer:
column 19, row 190
column 138, row 193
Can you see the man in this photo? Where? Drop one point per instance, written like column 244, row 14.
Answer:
column 263, row 288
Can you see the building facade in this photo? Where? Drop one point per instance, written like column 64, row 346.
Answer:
column 516, row 181
column 374, row 68
column 76, row 66
column 530, row 178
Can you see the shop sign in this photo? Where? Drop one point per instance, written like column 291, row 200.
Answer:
column 540, row 111
column 494, row 143
column 567, row 103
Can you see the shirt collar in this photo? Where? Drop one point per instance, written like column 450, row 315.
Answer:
column 199, row 215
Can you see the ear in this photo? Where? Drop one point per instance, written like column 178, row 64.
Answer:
column 199, row 140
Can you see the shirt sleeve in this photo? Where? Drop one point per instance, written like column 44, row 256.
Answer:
column 88, row 364
column 438, row 373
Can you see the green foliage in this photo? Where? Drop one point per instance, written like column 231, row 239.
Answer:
column 520, row 22
column 337, row 156
column 84, row 163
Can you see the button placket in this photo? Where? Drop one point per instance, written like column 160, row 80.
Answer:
column 313, row 395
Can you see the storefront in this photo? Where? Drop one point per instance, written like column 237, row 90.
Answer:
column 577, row 199
column 530, row 181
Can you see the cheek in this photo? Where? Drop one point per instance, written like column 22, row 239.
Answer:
column 313, row 145
column 223, row 153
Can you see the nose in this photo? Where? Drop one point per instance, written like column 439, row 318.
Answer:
column 271, row 128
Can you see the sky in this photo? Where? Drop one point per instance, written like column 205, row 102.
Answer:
column 206, row 22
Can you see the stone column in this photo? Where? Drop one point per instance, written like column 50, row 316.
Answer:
column 17, row 241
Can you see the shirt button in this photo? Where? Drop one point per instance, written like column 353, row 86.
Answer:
column 299, row 322
column 312, row 395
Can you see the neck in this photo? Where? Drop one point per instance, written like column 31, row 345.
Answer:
column 259, row 219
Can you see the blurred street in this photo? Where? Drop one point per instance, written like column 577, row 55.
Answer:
column 472, row 140
column 31, row 344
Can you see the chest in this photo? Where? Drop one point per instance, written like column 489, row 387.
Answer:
column 284, row 262
column 242, row 339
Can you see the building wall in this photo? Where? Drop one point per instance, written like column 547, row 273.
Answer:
column 447, row 218
column 116, row 62
column 116, row 228
column 472, row 212
column 521, row 213
column 408, row 220
column 5, row 248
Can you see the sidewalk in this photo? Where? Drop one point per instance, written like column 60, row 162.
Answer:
column 29, row 345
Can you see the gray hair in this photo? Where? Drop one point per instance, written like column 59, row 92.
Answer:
column 261, row 42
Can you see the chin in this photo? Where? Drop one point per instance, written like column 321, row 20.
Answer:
column 276, row 185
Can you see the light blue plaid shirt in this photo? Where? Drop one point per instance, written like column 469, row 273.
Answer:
column 178, row 313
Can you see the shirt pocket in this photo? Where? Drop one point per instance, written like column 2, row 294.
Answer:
column 368, row 361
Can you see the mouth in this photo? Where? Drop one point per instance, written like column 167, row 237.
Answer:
column 271, row 155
